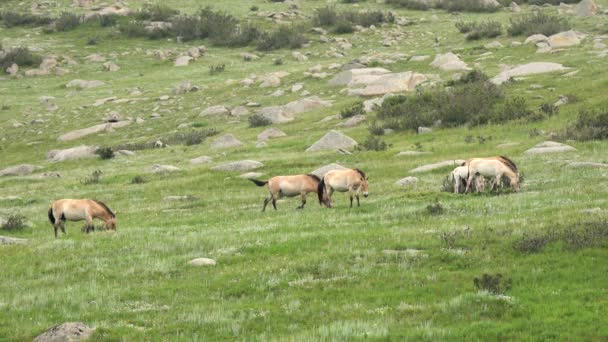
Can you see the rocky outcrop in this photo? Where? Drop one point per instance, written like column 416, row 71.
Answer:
column 527, row 69
column 19, row 170
column 72, row 153
column 332, row 140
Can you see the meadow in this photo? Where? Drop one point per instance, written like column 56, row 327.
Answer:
column 392, row 269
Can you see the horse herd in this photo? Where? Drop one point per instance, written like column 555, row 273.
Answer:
column 470, row 176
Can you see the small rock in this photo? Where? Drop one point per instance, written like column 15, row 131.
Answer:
column 158, row 168
column 226, row 141
column 215, row 110
column 71, row 331
column 182, row 61
column 243, row 165
column 320, row 172
column 424, row 130
column 19, row 170
column 251, row 175
column 407, row 181
column 271, row 133
column 201, row 160
column 588, row 164
column 181, row 198
column 7, row 240
column 202, row 262
column 332, row 140
column 110, row 66
column 550, row 147
column 430, row 167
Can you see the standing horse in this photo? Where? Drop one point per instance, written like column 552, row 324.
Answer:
column 78, row 210
column 459, row 177
column 493, row 167
column 289, row 186
column 351, row 180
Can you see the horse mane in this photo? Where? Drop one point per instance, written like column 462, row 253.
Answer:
column 509, row 163
column 361, row 173
column 315, row 177
column 105, row 207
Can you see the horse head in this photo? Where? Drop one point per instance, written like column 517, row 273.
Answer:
column 364, row 187
column 111, row 223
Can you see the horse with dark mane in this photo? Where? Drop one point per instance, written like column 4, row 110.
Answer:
column 288, row 186
column 493, row 167
column 80, row 209
column 352, row 180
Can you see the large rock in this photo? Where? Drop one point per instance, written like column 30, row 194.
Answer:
column 82, row 84
column 72, row 153
column 449, row 62
column 287, row 112
column 550, row 147
column 226, row 141
column 66, row 332
column 158, row 168
column 7, row 240
column 320, row 172
column 214, row 111
column 106, row 127
column 564, row 39
column 389, row 83
column 271, row 133
column 588, row 164
column 242, row 165
column 355, row 77
column 182, row 61
column 527, row 69
column 19, row 170
column 332, row 140
column 429, row 167
column 586, row 8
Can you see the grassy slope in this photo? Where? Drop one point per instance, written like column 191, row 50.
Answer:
column 299, row 275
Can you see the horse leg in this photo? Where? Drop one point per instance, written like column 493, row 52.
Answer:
column 89, row 221
column 62, row 226
column 55, row 228
column 303, row 197
column 469, row 183
column 266, row 201
column 357, row 196
column 329, row 193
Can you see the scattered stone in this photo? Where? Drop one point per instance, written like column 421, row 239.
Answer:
column 126, row 153
column 201, row 160
column 332, row 140
column 184, row 87
column 407, row 181
column 261, row 144
column 251, row 175
column 535, row 39
column 182, row 61
column 113, row 117
column 106, row 127
column 95, row 58
column 239, row 111
column 507, row 145
column 226, row 141
column 243, row 165
column 181, row 198
column 550, row 147
column 420, row 58
column 110, row 66
column 72, row 153
column 494, row 45
column 411, row 153
column 514, row 7
column 82, row 84
column 101, row 102
column 215, row 110
column 248, row 57
column 563, row 39
column 320, row 172
column 71, row 331
column 588, row 164
column 19, row 170
column 561, row 101
column 527, row 69
column 357, row 76
column 270, row 133
column 424, row 130
column 7, row 240
column 449, row 62
column 354, row 121
column 50, row 175
column 158, row 168
column 296, row 87
column 389, row 83
column 300, row 57
column 429, row 167
column 202, row 262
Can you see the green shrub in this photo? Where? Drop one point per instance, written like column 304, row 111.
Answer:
column 537, row 23
column 189, row 138
column 278, row 61
column 325, row 16
column 258, row 120
column 13, row 19
column 343, row 27
column 513, row 109
column 589, row 125
column 375, row 129
column 329, row 17
column 92, row 40
column 373, row 143
column 435, row 208
column 108, row 20
column 419, row 5
column 156, row 12
column 138, row 180
column 93, row 178
column 14, row 222
column 465, row 27
column 134, row 29
column 105, row 152
column 21, row 56
column 356, row 109
column 494, row 284
column 216, row 69
column 486, row 29
column 67, row 21
column 284, row 37
column 254, row 8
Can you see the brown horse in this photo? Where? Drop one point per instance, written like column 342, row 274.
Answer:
column 493, row 167
column 288, row 186
column 80, row 209
column 352, row 180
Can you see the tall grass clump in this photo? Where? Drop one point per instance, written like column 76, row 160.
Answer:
column 344, row 21
column 67, row 21
column 589, row 125
column 157, row 12
column 22, row 56
column 259, row 120
column 356, row 109
column 14, row 222
column 475, row 31
column 12, row 19
column 134, row 29
column 537, row 23
column 284, row 37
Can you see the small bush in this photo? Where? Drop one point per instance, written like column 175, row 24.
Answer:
column 93, row 178
column 138, row 180
column 105, row 152
column 487, row 29
column 189, row 138
column 156, row 12
column 21, row 56
column 537, row 23
column 588, row 126
column 344, row 27
column 373, row 143
column 67, row 21
column 375, row 129
column 435, row 208
column 284, row 37
column 92, row 41
column 548, row 109
column 513, row 109
column 14, row 222
column 532, row 243
column 494, row 284
column 108, row 20
column 216, row 69
column 254, row 8
column 448, row 239
column 258, row 120
column 418, row 5
column 585, row 235
column 325, row 16
column 134, row 29
column 344, row 21
column 13, row 19
column 356, row 109
column 278, row 61
column 465, row 27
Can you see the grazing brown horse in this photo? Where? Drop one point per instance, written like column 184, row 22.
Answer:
column 493, row 167
column 352, row 180
column 80, row 209
column 289, row 186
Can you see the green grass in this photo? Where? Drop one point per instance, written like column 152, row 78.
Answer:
column 315, row 274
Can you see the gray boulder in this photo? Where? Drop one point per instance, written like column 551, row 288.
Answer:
column 407, row 181
column 449, row 62
column 7, row 240
column 214, row 111
column 243, row 165
column 158, row 168
column 66, row 332
column 226, row 141
column 82, row 84
column 550, row 147
column 332, row 140
column 564, row 39
column 201, row 160
column 271, row 133
column 19, row 170
column 72, row 153
column 202, row 262
column 106, row 127
column 527, row 69
column 588, row 164
column 586, row 8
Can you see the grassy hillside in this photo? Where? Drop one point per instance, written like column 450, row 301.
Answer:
column 389, row 270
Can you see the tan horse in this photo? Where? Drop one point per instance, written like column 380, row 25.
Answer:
column 288, row 186
column 78, row 210
column 352, row 180
column 459, row 178
column 493, row 167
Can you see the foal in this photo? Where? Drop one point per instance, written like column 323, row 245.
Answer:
column 80, row 209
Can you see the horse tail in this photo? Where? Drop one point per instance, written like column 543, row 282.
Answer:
column 51, row 216
column 258, row 183
column 321, row 190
